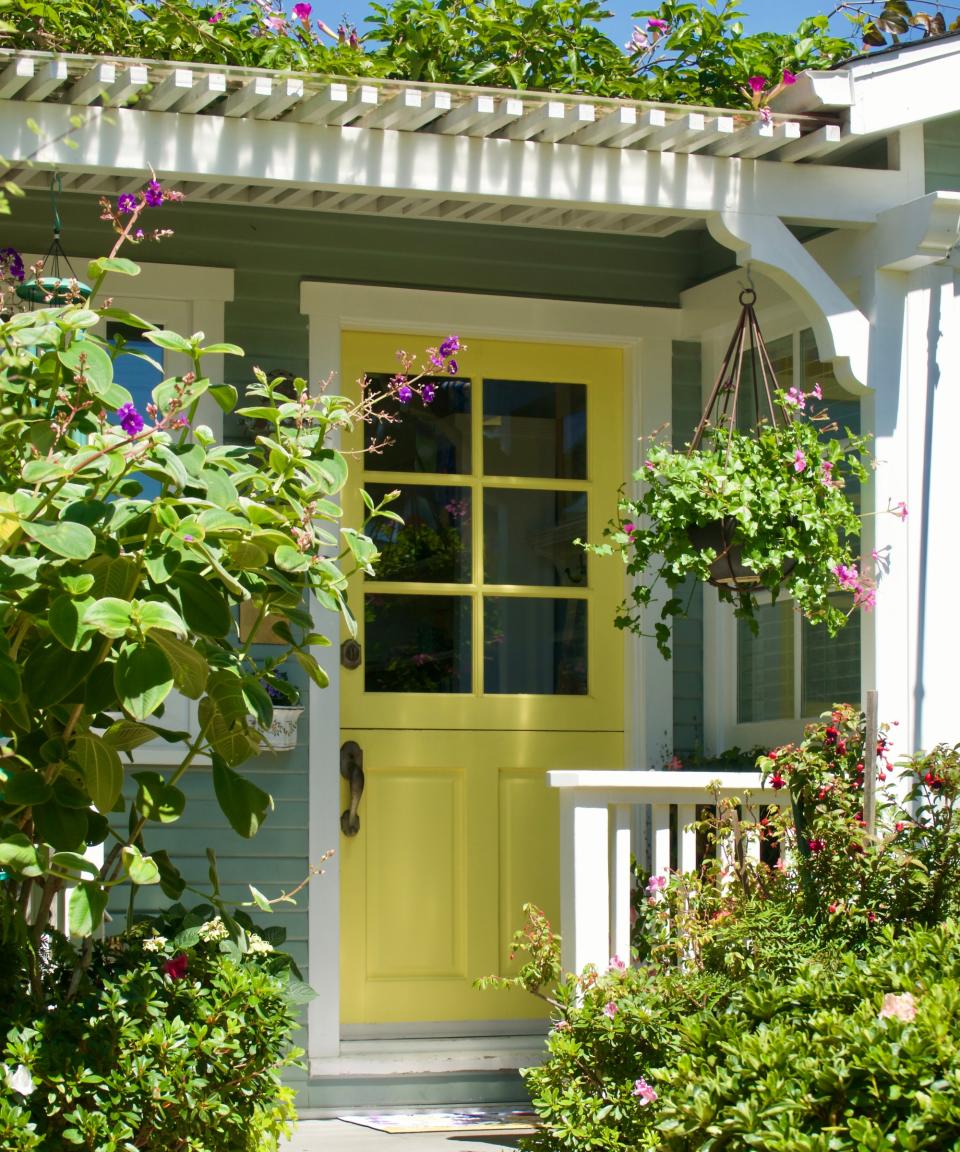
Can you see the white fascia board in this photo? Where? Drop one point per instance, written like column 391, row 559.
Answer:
column 899, row 90
column 218, row 148
column 816, row 92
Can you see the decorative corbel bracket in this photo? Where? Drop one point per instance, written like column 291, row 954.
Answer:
column 925, row 231
column 841, row 329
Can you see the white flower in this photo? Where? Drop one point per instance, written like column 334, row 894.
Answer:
column 155, row 943
column 257, row 943
column 19, row 1080
column 896, row 1007
column 213, row 930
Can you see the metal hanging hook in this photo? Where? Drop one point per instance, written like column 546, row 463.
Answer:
column 56, row 189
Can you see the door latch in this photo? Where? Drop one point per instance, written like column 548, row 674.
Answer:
column 351, row 769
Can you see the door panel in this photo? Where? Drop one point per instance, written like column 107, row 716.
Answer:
column 489, row 658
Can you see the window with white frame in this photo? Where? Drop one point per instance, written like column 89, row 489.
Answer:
column 792, row 670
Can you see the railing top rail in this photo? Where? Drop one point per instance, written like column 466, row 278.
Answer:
column 660, row 787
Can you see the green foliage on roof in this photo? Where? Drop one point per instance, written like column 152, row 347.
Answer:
column 695, row 53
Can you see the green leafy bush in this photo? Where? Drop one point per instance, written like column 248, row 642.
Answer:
column 172, row 1041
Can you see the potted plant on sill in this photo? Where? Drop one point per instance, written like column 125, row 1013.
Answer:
column 281, row 736
column 766, row 508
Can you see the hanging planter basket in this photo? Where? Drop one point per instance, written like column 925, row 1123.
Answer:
column 728, row 569
column 281, row 736
column 56, row 288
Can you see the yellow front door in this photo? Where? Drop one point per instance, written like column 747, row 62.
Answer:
column 488, row 657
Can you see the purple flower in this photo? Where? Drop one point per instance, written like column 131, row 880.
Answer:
column 130, row 420
column 449, row 346
column 788, row 77
column 658, row 25
column 11, row 263
column 766, row 116
column 153, row 194
column 757, row 84
column 404, row 393
column 127, row 203
column 638, row 41
column 428, row 393
column 276, row 21
column 302, row 12
column 643, row 1091
column 452, row 367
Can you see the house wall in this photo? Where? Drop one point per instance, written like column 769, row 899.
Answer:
column 941, row 146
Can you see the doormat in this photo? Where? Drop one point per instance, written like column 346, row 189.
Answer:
column 477, row 1119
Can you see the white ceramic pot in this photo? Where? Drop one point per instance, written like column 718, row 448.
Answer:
column 282, row 733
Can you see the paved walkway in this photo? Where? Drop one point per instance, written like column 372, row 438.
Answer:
column 338, row 1136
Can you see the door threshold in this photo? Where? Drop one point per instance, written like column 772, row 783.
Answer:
column 432, row 1056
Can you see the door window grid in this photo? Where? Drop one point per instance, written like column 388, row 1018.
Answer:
column 489, row 642
column 793, row 669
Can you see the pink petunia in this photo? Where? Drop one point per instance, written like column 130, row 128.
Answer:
column 757, row 84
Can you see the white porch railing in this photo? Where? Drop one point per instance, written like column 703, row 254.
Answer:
column 599, row 812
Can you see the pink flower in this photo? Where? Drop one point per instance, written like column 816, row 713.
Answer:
column 629, row 527
column 215, row 18
column 276, row 21
column 610, row 1009
column 796, row 399
column 777, row 782
column 674, row 764
column 302, row 12
column 847, row 577
column 766, row 116
column 658, row 25
column 817, row 845
column 799, row 461
column 616, row 964
column 656, row 884
column 900, row 510
column 816, row 392
column 757, row 84
column 902, row 1007
column 788, row 78
column 643, row 1091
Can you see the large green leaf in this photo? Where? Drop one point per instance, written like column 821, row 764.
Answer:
column 157, row 799
column 88, row 902
column 143, row 680
column 87, row 360
column 205, row 608
column 232, row 742
column 24, row 789
column 257, row 700
column 65, row 618
column 141, row 869
column 244, row 804
column 19, row 854
column 9, row 678
column 110, row 616
column 157, row 614
column 97, row 268
column 51, row 672
column 74, row 541
column 226, row 690
column 102, row 771
column 190, row 669
column 171, row 882
column 73, row 862
column 172, row 341
column 125, row 735
column 65, row 828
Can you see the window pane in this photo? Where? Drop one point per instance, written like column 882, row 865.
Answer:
column 535, row 646
column 533, row 428
column 432, row 543
column 418, row 437
column 417, row 643
column 831, row 665
column 528, row 537
column 765, row 665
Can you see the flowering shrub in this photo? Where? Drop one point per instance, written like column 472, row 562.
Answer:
column 172, row 1040
column 777, row 496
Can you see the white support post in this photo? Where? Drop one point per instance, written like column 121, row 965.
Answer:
column 584, row 884
column 687, row 856
column 620, row 881
column 661, row 840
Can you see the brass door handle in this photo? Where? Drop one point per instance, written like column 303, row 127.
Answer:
column 351, row 769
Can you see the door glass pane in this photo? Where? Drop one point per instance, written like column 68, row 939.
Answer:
column 528, row 537
column 432, row 543
column 416, row 643
column 536, row 646
column 765, row 665
column 418, row 437
column 139, row 378
column 534, row 428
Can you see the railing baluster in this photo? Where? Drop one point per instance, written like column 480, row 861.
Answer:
column 661, row 840
column 687, row 856
column 620, row 881
column 584, row 883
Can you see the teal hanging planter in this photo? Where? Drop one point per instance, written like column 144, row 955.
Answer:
column 57, row 288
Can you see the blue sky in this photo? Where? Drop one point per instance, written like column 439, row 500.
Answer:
column 759, row 16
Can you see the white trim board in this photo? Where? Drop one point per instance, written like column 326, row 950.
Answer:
column 644, row 335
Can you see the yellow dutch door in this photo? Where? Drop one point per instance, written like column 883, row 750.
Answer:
column 488, row 656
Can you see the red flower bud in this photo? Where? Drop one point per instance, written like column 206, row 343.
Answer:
column 176, row 967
